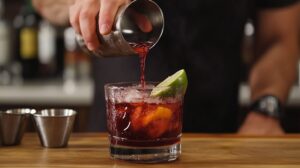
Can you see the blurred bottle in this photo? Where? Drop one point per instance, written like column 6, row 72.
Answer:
column 298, row 82
column 247, row 50
column 47, row 49
column 5, row 76
column 77, row 66
column 69, row 73
column 26, row 42
column 83, row 67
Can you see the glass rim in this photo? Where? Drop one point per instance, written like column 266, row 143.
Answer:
column 127, row 82
column 123, row 85
column 120, row 88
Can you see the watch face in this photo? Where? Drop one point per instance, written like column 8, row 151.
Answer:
column 269, row 104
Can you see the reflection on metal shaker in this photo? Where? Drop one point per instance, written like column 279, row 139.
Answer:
column 129, row 29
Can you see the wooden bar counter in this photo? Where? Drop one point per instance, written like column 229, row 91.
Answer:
column 89, row 150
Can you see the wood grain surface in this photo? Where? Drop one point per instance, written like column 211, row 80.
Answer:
column 89, row 150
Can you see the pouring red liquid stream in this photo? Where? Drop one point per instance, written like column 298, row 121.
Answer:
column 142, row 50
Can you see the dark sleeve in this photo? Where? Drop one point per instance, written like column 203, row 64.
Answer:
column 274, row 3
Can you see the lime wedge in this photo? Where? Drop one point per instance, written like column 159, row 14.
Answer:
column 172, row 85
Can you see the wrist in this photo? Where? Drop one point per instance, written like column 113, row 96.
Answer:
column 260, row 124
column 262, row 118
column 267, row 105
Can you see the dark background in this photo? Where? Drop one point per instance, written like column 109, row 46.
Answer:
column 291, row 120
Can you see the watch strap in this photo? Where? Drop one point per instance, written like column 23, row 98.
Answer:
column 268, row 105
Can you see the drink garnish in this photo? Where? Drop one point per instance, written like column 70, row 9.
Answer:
column 172, row 85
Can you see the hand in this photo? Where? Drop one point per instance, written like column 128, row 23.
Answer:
column 258, row 124
column 82, row 18
column 83, row 13
column 54, row 11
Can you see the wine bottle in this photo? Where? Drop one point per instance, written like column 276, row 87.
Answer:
column 5, row 54
column 26, row 25
column 47, row 49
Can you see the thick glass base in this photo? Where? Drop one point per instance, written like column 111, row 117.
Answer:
column 146, row 154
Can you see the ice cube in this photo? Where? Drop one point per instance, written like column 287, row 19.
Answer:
column 132, row 95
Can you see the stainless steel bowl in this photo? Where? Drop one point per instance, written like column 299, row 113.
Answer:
column 54, row 126
column 13, row 123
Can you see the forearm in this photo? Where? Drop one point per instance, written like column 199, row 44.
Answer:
column 276, row 71
column 273, row 74
column 277, row 47
column 55, row 11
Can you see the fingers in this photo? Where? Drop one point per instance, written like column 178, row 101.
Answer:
column 142, row 21
column 87, row 25
column 107, row 14
column 82, row 19
column 74, row 18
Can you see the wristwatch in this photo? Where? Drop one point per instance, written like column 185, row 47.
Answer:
column 268, row 105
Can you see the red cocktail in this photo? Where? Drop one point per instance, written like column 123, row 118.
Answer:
column 141, row 127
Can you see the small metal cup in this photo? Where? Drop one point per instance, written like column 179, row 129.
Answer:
column 13, row 123
column 126, row 32
column 54, row 126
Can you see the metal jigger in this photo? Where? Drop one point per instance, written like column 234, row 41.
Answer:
column 13, row 124
column 54, row 126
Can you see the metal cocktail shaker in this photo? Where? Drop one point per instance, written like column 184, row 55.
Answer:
column 126, row 31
